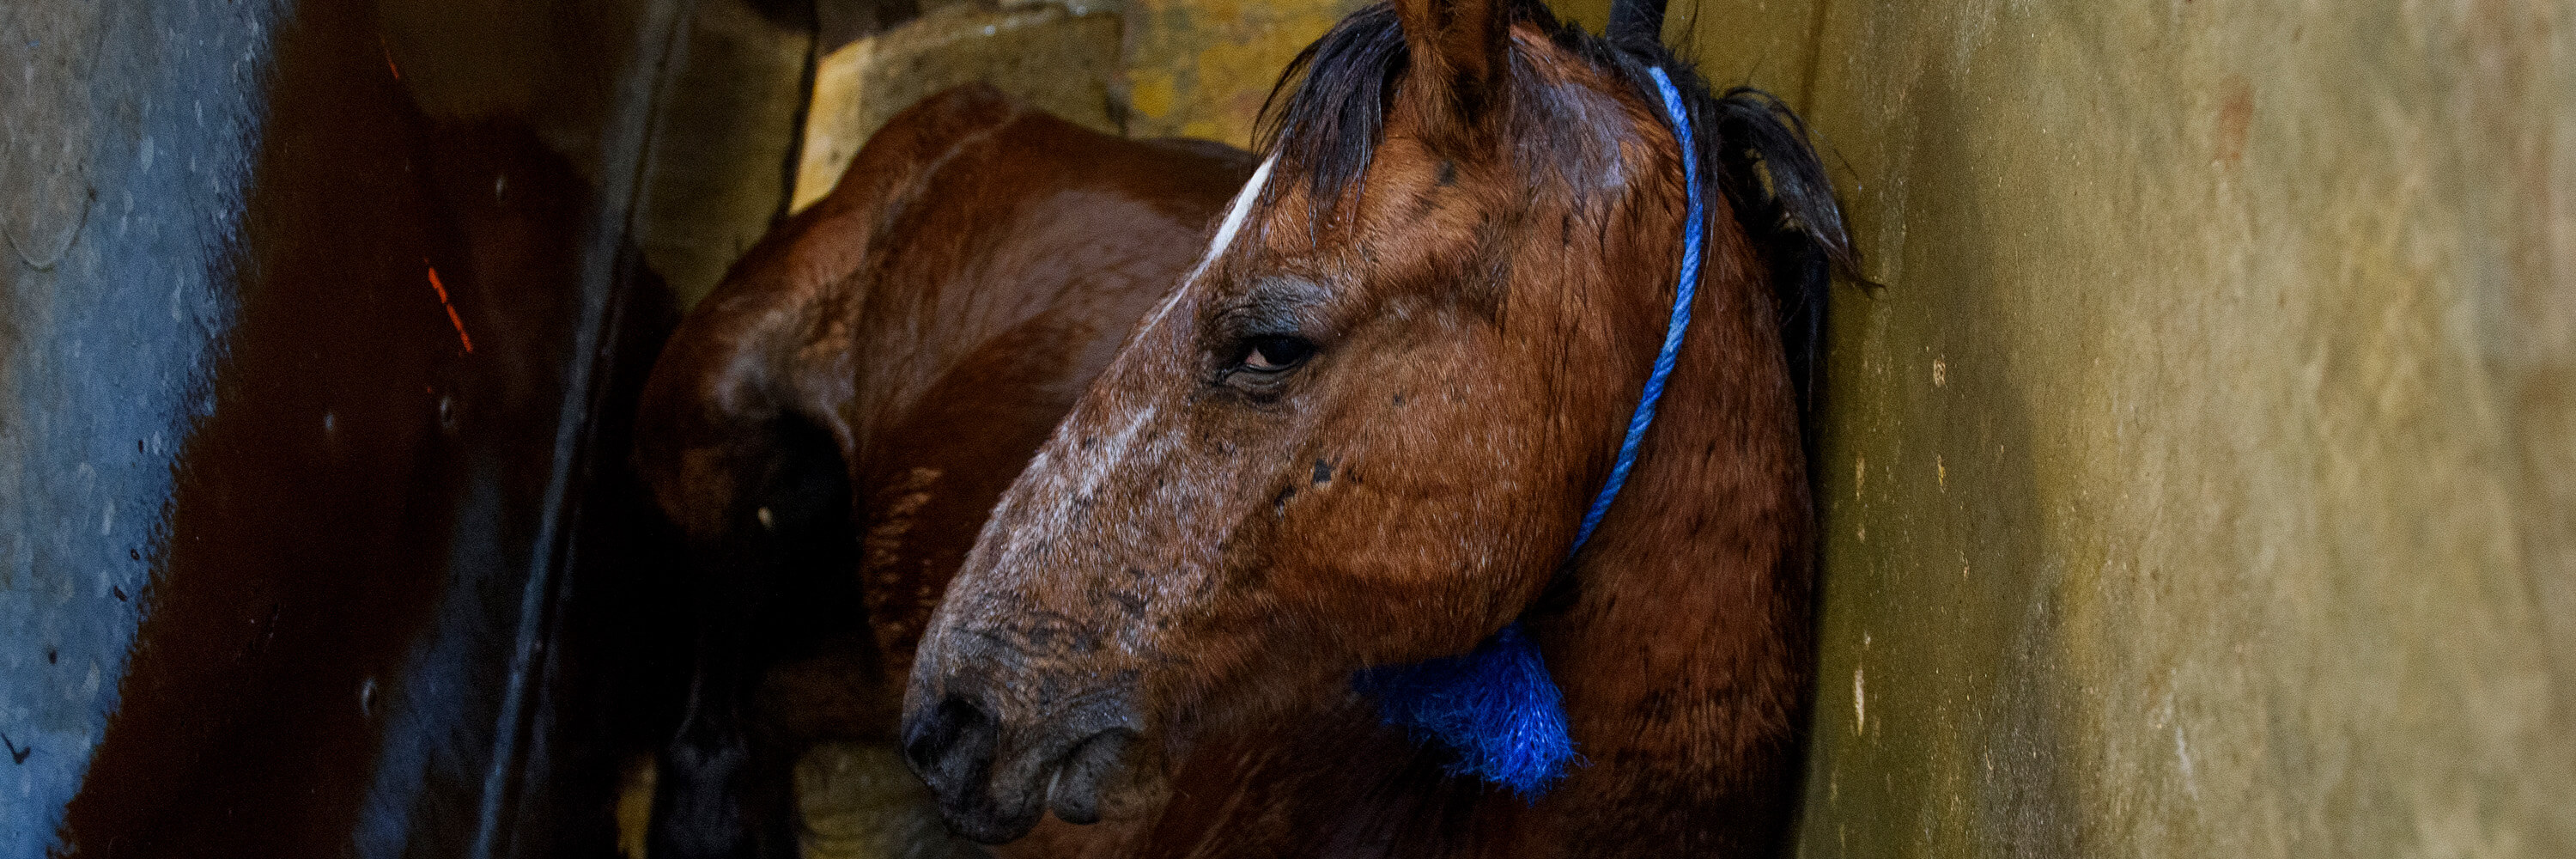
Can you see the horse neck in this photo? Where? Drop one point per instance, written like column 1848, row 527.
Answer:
column 1683, row 651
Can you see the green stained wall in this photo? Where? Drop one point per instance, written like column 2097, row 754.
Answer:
column 2203, row 480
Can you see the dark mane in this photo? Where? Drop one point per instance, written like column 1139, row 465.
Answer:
column 1327, row 114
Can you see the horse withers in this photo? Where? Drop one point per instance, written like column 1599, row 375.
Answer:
column 1361, row 433
column 849, row 403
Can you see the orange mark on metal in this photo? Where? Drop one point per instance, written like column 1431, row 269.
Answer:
column 452, row 318
column 389, row 58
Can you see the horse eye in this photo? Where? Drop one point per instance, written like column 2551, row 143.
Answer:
column 1275, row 353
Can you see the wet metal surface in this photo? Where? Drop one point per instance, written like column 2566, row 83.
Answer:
column 306, row 549
column 126, row 137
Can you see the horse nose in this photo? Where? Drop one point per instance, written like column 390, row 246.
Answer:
column 951, row 745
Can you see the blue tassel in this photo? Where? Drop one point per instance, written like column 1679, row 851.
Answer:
column 1495, row 706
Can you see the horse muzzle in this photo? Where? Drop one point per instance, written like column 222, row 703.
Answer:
column 994, row 775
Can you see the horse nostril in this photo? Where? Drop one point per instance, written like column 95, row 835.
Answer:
column 956, row 735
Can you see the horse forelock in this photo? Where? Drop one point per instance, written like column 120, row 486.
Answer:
column 1328, row 113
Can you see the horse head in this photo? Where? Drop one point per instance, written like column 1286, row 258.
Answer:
column 1363, row 431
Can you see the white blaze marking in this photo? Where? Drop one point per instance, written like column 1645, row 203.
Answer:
column 1225, row 231
column 1094, row 464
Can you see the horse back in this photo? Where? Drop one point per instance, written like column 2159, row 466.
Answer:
column 918, row 331
column 966, row 219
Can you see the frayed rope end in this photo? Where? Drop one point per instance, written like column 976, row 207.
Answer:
column 1496, row 707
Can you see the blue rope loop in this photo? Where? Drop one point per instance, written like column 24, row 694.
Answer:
column 1496, row 706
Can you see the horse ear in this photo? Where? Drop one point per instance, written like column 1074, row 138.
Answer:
column 1458, row 51
column 1636, row 23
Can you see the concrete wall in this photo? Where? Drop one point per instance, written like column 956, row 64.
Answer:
column 1060, row 59
column 1200, row 68
column 2200, row 482
column 1148, row 68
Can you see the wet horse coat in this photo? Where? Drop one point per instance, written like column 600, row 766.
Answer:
column 1358, row 434
column 1361, row 435
column 855, row 396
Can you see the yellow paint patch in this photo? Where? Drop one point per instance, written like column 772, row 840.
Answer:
column 1202, row 67
column 1154, row 94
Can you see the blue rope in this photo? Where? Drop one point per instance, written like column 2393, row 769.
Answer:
column 1693, row 232
column 1496, row 706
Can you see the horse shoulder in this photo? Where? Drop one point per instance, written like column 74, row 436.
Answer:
column 774, row 339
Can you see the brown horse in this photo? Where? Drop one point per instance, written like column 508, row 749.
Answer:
column 1361, row 433
column 857, row 394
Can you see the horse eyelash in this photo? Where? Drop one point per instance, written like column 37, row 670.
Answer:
column 1277, row 307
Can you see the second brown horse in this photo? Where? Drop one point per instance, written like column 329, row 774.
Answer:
column 858, row 392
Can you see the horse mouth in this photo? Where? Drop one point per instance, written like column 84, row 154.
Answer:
column 1075, row 788
column 1000, row 808
column 996, row 798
